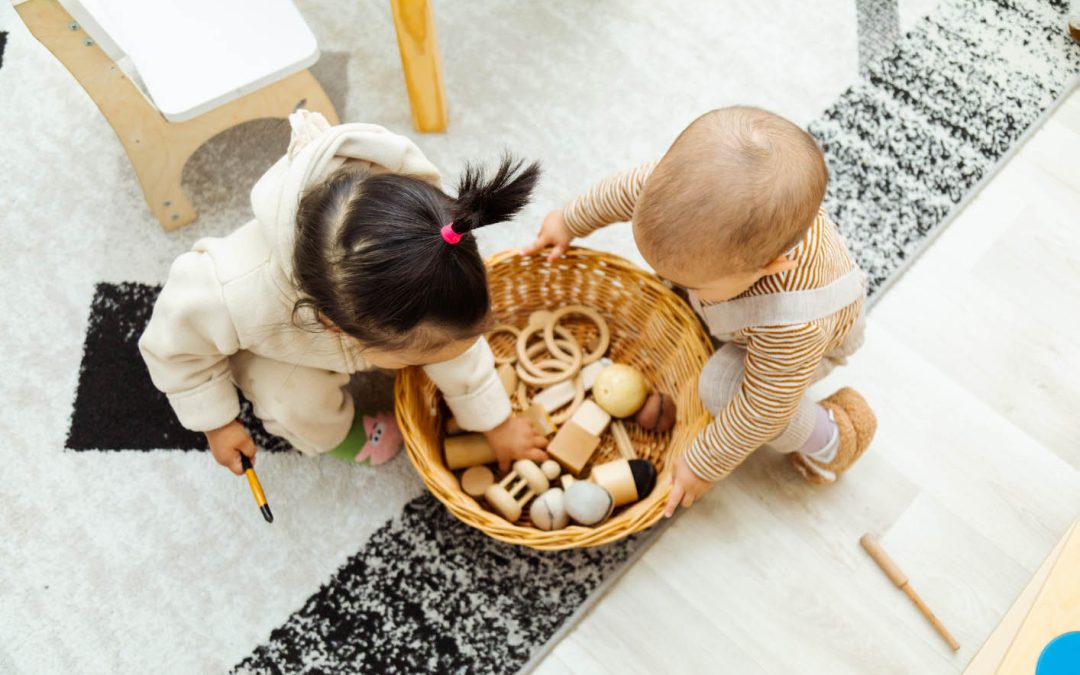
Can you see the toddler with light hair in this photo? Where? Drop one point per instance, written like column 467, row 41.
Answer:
column 732, row 213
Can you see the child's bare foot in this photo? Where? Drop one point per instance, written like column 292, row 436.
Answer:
column 855, row 425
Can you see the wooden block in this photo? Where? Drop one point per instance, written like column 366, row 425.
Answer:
column 1056, row 611
column 592, row 418
column 541, row 421
column 573, row 446
column 468, row 450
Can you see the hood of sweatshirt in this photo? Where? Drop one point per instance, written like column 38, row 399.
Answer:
column 316, row 150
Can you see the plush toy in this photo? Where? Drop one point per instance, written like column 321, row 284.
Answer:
column 384, row 440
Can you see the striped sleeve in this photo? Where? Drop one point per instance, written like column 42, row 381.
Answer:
column 780, row 363
column 612, row 200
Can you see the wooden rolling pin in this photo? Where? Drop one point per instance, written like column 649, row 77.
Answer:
column 897, row 576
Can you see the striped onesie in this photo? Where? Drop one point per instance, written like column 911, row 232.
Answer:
column 762, row 389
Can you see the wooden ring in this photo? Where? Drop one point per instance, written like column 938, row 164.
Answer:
column 503, row 328
column 589, row 313
column 549, row 379
column 525, row 352
column 579, row 398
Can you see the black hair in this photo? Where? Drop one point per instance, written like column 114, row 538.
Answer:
column 370, row 257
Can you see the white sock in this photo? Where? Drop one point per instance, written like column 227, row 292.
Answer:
column 824, row 439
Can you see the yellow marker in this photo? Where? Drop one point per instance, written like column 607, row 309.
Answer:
column 256, row 488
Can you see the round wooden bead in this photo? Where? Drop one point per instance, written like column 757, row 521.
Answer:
column 658, row 414
column 551, row 469
column 548, row 511
column 588, row 503
column 620, row 390
column 476, row 480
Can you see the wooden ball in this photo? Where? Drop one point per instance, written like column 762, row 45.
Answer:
column 620, row 390
column 551, row 469
column 476, row 480
column 588, row 503
column 548, row 511
column 658, row 413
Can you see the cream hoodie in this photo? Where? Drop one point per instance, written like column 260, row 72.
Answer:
column 235, row 293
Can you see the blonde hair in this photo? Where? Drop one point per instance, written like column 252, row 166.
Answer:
column 739, row 187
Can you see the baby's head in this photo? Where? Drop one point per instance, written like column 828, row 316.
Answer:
column 371, row 261
column 737, row 189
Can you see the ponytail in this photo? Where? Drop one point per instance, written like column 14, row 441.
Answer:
column 483, row 202
column 370, row 256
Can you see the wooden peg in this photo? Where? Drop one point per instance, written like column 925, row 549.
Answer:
column 468, row 450
column 622, row 440
column 872, row 546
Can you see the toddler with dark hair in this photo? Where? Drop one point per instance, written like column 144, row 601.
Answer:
column 356, row 259
column 732, row 213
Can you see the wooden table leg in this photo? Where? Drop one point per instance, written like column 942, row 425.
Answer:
column 414, row 21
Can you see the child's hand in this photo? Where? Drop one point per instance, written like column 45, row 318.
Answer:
column 228, row 442
column 554, row 233
column 516, row 439
column 686, row 488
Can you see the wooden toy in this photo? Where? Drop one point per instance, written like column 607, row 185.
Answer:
column 547, row 371
column 551, row 469
column 468, row 450
column 588, row 503
column 476, row 480
column 541, row 421
column 620, row 390
column 510, row 495
column 872, row 546
column 578, row 439
column 658, row 413
column 622, row 440
column 548, row 511
column 626, row 480
column 566, row 480
column 570, row 391
column 602, row 343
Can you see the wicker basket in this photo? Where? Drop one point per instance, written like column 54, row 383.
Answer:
column 651, row 329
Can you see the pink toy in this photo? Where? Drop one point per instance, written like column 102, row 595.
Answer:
column 384, row 439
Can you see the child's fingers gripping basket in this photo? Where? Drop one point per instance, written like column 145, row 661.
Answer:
column 651, row 329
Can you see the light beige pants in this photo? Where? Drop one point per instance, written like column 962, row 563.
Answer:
column 310, row 408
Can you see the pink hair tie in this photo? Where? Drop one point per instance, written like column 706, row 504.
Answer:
column 448, row 234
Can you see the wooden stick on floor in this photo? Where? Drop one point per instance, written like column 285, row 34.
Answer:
column 897, row 576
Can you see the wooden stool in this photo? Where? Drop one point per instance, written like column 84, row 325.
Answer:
column 159, row 141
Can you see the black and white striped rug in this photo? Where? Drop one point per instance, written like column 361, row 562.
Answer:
column 932, row 115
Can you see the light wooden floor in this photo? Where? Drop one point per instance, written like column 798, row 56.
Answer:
column 973, row 366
